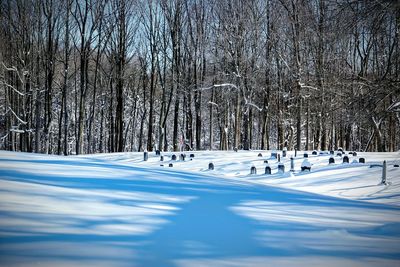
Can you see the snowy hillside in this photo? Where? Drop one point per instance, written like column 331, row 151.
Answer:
column 118, row 210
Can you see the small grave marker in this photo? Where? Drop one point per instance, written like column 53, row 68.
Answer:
column 145, row 155
column 274, row 154
column 362, row 160
column 279, row 157
column 158, row 152
column 253, row 170
column 173, row 157
column 306, row 165
column 339, row 154
column 235, row 149
column 191, row 156
column 211, row 166
column 384, row 173
column 161, row 158
column 331, row 160
column 291, row 164
column 182, row 157
column 284, row 152
column 281, row 168
column 315, row 152
column 259, row 155
column 332, row 152
column 171, row 165
column 267, row 169
column 266, row 161
column 305, row 155
column 354, row 154
column 345, row 159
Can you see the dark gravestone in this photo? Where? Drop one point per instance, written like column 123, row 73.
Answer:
column 305, row 165
column 339, row 154
column 351, row 153
column 161, row 165
column 173, row 157
column 267, row 170
column 305, row 155
column 253, row 170
column 266, row 161
column 284, row 152
column 281, row 168
column 332, row 152
column 171, row 165
column 235, row 149
column 158, row 152
column 211, row 166
column 331, row 160
column 295, row 153
column 182, row 157
column 161, row 158
column 362, row 160
column 340, row 149
column 315, row 153
column 292, row 164
column 145, row 156
column 259, row 155
column 279, row 157
column 345, row 159
column 396, row 165
column 355, row 154
column 191, row 156
column 274, row 154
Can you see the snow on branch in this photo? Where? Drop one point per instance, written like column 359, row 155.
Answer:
column 13, row 68
column 12, row 87
column 18, row 118
column 217, row 86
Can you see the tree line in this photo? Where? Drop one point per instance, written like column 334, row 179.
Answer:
column 131, row 75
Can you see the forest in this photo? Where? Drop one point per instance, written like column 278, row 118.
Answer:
column 99, row 76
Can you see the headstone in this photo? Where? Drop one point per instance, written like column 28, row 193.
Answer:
column 191, row 156
column 182, row 157
column 315, row 152
column 291, row 164
column 235, row 149
column 253, row 170
column 158, row 152
column 396, row 165
column 384, row 173
column 267, row 169
column 354, row 161
column 211, row 166
column 362, row 160
column 274, row 154
column 279, row 157
column 339, row 154
column 284, row 152
column 354, row 154
column 173, row 157
column 305, row 165
column 171, row 165
column 145, row 155
column 266, row 161
column 295, row 153
column 340, row 149
column 332, row 152
column 345, row 159
column 305, row 155
column 259, row 155
column 351, row 153
column 281, row 168
column 331, row 160
column 161, row 158
column 161, row 165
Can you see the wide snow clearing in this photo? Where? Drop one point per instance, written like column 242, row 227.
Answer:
column 118, row 210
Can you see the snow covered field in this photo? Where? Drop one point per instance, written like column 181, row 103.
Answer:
column 118, row 210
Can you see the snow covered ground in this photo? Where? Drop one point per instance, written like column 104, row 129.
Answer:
column 118, row 210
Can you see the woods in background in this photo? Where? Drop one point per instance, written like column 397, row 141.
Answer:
column 131, row 75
